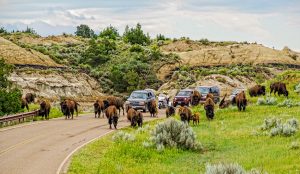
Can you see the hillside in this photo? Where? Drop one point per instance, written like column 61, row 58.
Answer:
column 14, row 54
column 164, row 65
column 197, row 54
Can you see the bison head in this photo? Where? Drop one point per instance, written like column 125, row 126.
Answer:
column 64, row 107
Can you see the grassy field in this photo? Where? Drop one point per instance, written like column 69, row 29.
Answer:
column 233, row 137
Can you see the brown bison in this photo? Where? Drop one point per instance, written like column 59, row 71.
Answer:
column 45, row 108
column 152, row 107
column 68, row 107
column 241, row 101
column 196, row 96
column 118, row 102
column 210, row 95
column 30, row 97
column 209, row 106
column 98, row 108
column 279, row 88
column 112, row 116
column 257, row 90
column 170, row 111
column 130, row 112
column 196, row 118
column 137, row 119
column 224, row 103
column 24, row 104
column 185, row 114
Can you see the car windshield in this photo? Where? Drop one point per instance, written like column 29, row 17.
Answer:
column 184, row 93
column 138, row 95
column 203, row 90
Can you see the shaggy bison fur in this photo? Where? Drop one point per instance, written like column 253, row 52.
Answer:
column 279, row 88
column 257, row 90
column 170, row 111
column 45, row 108
column 224, row 103
column 196, row 96
column 112, row 116
column 24, row 104
column 118, row 102
column 68, row 107
column 209, row 106
column 241, row 101
column 185, row 114
column 98, row 108
column 152, row 107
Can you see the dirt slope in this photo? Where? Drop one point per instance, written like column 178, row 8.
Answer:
column 13, row 54
column 195, row 54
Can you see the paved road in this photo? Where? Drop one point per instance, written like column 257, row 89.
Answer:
column 41, row 147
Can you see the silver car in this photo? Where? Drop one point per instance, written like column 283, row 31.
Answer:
column 139, row 99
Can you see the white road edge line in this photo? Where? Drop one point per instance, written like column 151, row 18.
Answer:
column 81, row 146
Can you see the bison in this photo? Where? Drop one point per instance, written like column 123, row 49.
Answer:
column 185, row 114
column 241, row 101
column 209, row 106
column 224, row 103
column 45, row 108
column 196, row 118
column 112, row 116
column 210, row 95
column 170, row 111
column 152, row 107
column 137, row 119
column 130, row 112
column 257, row 90
column 30, row 97
column 279, row 88
column 98, row 108
column 68, row 107
column 118, row 102
column 24, row 104
column 196, row 96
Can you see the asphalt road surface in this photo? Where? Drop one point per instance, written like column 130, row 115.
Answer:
column 41, row 147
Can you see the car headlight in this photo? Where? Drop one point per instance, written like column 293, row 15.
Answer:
column 141, row 103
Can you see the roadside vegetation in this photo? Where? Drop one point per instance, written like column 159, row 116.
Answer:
column 263, row 139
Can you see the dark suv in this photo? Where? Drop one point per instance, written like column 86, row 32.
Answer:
column 204, row 90
column 139, row 99
column 183, row 97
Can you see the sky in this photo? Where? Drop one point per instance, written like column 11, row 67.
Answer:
column 273, row 23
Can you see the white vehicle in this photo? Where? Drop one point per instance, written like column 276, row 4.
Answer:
column 162, row 101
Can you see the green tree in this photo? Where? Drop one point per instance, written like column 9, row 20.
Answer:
column 30, row 30
column 9, row 98
column 136, row 35
column 99, row 52
column 110, row 33
column 84, row 31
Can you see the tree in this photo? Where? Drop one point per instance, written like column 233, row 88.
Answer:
column 9, row 97
column 84, row 31
column 99, row 52
column 30, row 31
column 136, row 35
column 110, row 33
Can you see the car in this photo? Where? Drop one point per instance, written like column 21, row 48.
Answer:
column 235, row 91
column 139, row 99
column 204, row 90
column 183, row 97
column 162, row 101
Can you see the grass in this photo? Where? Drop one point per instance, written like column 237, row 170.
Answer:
column 233, row 137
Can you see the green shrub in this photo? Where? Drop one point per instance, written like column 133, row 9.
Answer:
column 123, row 136
column 174, row 134
column 274, row 127
column 288, row 103
column 267, row 101
column 233, row 168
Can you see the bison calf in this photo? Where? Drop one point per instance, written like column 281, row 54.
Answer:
column 196, row 118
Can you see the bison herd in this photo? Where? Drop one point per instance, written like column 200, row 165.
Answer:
column 112, row 106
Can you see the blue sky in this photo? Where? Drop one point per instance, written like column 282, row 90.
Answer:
column 274, row 23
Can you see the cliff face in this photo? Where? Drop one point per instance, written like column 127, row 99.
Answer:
column 53, row 84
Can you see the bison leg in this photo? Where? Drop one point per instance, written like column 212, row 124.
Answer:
column 115, row 121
